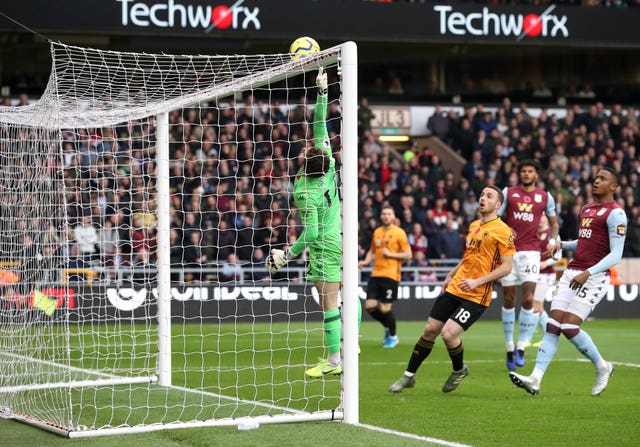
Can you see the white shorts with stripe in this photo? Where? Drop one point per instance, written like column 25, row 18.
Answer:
column 580, row 302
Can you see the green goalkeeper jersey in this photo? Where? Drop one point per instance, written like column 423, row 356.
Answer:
column 317, row 198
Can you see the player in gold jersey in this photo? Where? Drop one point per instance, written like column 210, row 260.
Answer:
column 389, row 247
column 467, row 291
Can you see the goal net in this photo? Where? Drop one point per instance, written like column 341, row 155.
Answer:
column 140, row 196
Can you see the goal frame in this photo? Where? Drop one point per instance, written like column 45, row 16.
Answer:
column 346, row 57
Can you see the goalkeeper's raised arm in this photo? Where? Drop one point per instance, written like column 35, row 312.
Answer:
column 315, row 193
column 320, row 133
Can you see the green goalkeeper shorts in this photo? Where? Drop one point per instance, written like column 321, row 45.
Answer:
column 325, row 263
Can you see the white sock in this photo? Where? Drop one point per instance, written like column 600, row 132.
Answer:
column 333, row 359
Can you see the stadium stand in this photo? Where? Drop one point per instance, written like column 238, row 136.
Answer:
column 222, row 180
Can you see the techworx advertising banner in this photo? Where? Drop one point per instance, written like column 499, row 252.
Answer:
column 279, row 302
column 334, row 20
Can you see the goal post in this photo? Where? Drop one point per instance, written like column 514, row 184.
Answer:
column 140, row 196
column 349, row 230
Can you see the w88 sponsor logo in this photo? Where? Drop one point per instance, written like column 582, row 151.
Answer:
column 527, row 217
column 584, row 233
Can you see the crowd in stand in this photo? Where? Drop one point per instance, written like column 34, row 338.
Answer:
column 231, row 179
column 570, row 150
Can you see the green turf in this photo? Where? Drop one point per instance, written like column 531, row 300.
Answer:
column 487, row 410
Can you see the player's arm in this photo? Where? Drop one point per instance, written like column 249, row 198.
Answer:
column 499, row 272
column 617, row 228
column 551, row 254
column 551, row 215
column 320, row 133
column 506, row 248
column 503, row 207
column 404, row 254
column 450, row 275
column 506, row 262
column 310, row 231
column 368, row 258
column 405, row 249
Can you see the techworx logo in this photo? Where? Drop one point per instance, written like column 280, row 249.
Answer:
column 173, row 14
column 489, row 24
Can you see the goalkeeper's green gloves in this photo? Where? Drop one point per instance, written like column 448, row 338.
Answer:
column 277, row 259
column 321, row 82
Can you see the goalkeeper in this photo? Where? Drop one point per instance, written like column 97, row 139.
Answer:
column 315, row 194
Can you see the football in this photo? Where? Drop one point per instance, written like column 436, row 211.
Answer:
column 303, row 46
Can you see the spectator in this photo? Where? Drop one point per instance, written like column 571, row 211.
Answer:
column 258, row 272
column 86, row 237
column 77, row 261
column 471, row 167
column 226, row 238
column 365, row 116
column 231, row 270
column 142, row 267
column 438, row 124
column 462, row 138
column 425, row 274
column 194, row 257
column 395, row 86
column 449, row 241
column 417, row 240
column 470, row 206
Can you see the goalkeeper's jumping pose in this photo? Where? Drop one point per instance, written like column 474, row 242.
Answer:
column 315, row 195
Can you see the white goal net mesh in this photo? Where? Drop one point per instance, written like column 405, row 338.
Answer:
column 81, row 252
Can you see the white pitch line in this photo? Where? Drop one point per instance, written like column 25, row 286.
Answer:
column 630, row 365
column 412, row 436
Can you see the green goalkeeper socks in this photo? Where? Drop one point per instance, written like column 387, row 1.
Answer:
column 332, row 330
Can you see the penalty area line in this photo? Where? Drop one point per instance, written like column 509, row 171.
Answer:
column 412, row 436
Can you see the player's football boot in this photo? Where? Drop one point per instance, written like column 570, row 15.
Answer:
column 454, row 379
column 324, row 369
column 602, row 379
column 392, row 342
column 387, row 336
column 527, row 383
column 511, row 361
column 519, row 358
column 402, row 383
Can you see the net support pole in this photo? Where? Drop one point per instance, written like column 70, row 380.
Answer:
column 163, row 263
column 350, row 299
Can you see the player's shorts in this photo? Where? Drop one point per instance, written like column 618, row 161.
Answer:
column 580, row 302
column 451, row 307
column 325, row 263
column 382, row 289
column 544, row 287
column 526, row 268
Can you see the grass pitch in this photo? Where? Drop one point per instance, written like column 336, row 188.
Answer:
column 486, row 410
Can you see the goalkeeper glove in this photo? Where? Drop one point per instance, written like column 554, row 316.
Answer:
column 321, row 82
column 276, row 260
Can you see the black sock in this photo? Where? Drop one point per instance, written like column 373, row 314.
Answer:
column 456, row 355
column 421, row 351
column 390, row 322
column 377, row 315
